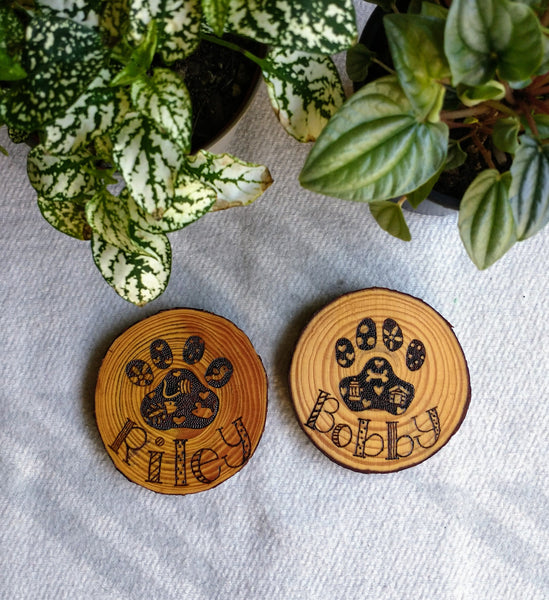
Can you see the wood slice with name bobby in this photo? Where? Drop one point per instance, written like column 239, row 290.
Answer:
column 181, row 401
column 379, row 381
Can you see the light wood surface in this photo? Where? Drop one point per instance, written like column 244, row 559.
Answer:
column 379, row 381
column 181, row 401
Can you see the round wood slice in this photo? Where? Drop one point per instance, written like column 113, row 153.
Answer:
column 181, row 401
column 379, row 381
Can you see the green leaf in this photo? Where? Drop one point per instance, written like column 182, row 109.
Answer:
column 485, row 36
column 304, row 89
column 357, row 62
column 137, row 277
column 140, row 58
column 12, row 37
column 178, row 24
column 134, row 262
column 61, row 177
column 417, row 49
column 374, row 148
column 192, row 200
column 95, row 112
column 456, row 156
column 544, row 66
column 542, row 126
column 473, row 95
column 539, row 6
column 236, row 182
column 416, row 197
column 216, row 12
column 454, row 159
column 62, row 58
column 390, row 218
column 505, row 135
column 317, row 26
column 486, row 222
column 434, row 10
column 148, row 162
column 164, row 99
column 530, row 187
column 67, row 217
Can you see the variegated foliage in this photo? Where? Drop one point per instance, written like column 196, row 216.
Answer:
column 85, row 74
column 316, row 26
column 305, row 91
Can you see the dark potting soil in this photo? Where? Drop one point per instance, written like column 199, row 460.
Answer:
column 220, row 82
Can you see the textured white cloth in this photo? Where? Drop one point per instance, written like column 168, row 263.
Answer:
column 469, row 523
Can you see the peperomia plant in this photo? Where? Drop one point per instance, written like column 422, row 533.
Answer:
column 91, row 84
column 467, row 77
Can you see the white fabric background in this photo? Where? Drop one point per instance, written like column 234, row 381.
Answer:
column 469, row 523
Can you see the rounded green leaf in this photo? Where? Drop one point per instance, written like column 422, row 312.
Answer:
column 417, row 49
column 483, row 36
column 530, row 187
column 486, row 224
column 357, row 62
column 505, row 134
column 473, row 95
column 374, row 148
column 390, row 218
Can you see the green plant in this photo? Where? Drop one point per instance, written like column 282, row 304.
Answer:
column 91, row 83
column 468, row 75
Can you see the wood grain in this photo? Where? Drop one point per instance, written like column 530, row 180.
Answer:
column 379, row 381
column 181, row 401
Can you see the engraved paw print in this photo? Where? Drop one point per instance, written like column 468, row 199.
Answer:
column 377, row 386
column 180, row 399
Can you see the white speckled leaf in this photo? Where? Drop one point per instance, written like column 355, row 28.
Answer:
column 305, row 91
column 114, row 18
column 236, row 183
column 134, row 262
column 178, row 23
column 138, row 278
column 319, row 26
column 164, row 98
column 61, row 177
column 109, row 217
column 86, row 12
column 67, row 217
column 62, row 58
column 192, row 200
column 98, row 109
column 148, row 162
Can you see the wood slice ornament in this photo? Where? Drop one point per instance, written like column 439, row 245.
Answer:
column 181, row 401
column 379, row 381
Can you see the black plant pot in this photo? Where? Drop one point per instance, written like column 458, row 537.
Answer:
column 373, row 36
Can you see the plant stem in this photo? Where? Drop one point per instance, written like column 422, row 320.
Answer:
column 226, row 44
column 541, row 90
column 474, row 111
column 485, row 154
column 383, row 66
